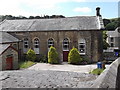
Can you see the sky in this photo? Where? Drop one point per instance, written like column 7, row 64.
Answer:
column 67, row 8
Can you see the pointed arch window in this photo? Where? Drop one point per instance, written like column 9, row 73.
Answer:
column 50, row 43
column 26, row 45
column 82, row 46
column 36, row 43
column 65, row 44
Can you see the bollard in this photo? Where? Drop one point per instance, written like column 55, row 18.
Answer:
column 99, row 65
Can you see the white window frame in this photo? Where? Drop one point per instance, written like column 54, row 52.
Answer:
column 26, row 43
column 50, row 43
column 65, row 43
column 83, row 43
column 36, row 46
column 36, row 43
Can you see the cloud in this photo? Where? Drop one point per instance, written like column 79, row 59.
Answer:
column 33, row 7
column 23, row 7
column 82, row 9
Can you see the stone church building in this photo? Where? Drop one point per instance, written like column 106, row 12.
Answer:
column 82, row 32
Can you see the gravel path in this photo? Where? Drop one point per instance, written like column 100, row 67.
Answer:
column 64, row 67
column 45, row 79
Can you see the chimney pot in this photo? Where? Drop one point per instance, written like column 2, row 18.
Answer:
column 98, row 11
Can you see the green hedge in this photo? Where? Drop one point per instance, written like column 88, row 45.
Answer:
column 53, row 56
column 74, row 57
column 31, row 56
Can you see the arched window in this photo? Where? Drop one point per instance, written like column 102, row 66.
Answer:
column 36, row 45
column 50, row 43
column 82, row 46
column 65, row 44
column 26, row 45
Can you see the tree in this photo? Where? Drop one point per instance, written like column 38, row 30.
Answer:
column 53, row 56
column 37, row 17
column 118, row 22
column 111, row 26
column 31, row 56
column 105, row 44
column 74, row 57
column 31, row 17
column 106, row 21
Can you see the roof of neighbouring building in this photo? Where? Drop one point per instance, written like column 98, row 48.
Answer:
column 7, row 38
column 114, row 33
column 69, row 23
column 3, row 47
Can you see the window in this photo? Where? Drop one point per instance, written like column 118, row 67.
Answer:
column 82, row 46
column 26, row 43
column 36, row 43
column 112, row 39
column 50, row 42
column 65, row 44
column 112, row 44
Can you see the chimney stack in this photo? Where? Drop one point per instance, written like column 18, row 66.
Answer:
column 98, row 11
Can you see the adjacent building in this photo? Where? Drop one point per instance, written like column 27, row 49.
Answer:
column 8, row 52
column 113, row 40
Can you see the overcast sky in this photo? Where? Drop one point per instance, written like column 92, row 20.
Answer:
column 68, row 8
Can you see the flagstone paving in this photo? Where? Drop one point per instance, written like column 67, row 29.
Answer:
column 46, row 79
column 49, row 76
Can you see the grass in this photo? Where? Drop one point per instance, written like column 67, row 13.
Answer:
column 26, row 64
column 97, row 71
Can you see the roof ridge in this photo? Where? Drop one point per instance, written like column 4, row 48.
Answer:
column 49, row 18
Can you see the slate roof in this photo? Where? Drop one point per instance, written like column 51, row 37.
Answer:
column 3, row 47
column 7, row 38
column 114, row 33
column 69, row 23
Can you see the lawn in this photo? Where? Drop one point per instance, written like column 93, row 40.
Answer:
column 26, row 64
column 97, row 71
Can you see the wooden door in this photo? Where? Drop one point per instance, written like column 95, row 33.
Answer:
column 9, row 63
column 65, row 56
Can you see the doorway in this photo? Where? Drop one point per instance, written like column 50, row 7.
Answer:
column 65, row 56
column 9, row 63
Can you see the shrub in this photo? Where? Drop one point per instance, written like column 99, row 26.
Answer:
column 53, row 56
column 85, row 60
column 43, row 59
column 31, row 56
column 74, row 57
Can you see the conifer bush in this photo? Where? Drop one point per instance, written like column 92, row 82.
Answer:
column 53, row 56
column 74, row 56
column 31, row 56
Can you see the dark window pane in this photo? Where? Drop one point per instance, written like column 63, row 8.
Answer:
column 26, row 46
column 111, row 39
column 82, row 46
column 112, row 45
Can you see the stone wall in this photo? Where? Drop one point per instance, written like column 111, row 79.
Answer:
column 109, row 78
column 118, row 79
column 8, row 52
column 93, row 41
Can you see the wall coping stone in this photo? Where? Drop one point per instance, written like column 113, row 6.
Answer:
column 108, row 78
